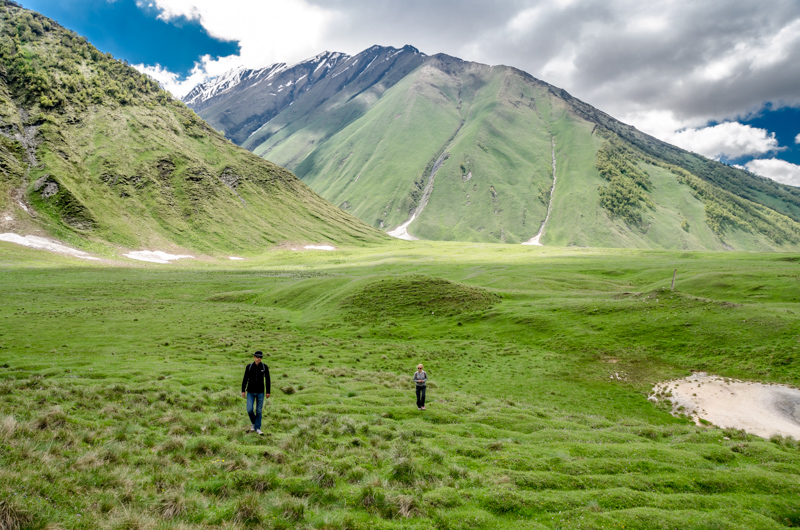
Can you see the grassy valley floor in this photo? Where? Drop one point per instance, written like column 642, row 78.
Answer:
column 120, row 403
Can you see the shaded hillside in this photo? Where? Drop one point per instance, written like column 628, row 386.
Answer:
column 455, row 150
column 92, row 148
column 241, row 102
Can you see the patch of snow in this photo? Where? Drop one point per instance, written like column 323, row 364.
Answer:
column 155, row 256
column 257, row 83
column 218, row 85
column 252, row 133
column 277, row 69
column 319, row 247
column 42, row 243
column 401, row 232
column 370, row 64
column 234, row 257
column 23, row 206
column 535, row 239
column 340, row 73
column 9, row 218
column 763, row 410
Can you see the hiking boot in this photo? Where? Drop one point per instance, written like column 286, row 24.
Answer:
column 259, row 432
column 423, row 408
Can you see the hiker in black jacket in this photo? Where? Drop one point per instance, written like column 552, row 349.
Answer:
column 255, row 385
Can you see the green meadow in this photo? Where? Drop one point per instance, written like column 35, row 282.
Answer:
column 120, row 397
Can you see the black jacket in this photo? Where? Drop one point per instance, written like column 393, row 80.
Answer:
column 254, row 378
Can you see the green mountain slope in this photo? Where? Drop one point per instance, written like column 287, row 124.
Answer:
column 93, row 150
column 470, row 151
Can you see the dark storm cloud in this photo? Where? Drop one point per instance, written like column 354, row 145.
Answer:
column 693, row 60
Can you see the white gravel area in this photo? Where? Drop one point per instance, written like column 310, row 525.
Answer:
column 757, row 408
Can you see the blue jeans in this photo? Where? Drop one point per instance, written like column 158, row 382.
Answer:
column 255, row 417
column 420, row 396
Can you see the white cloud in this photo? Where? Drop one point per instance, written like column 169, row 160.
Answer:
column 776, row 169
column 526, row 20
column 797, row 139
column 661, row 123
column 171, row 81
column 726, row 140
column 665, row 62
column 203, row 70
column 661, row 65
column 267, row 32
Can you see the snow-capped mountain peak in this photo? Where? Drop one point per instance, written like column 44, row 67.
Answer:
column 227, row 83
column 231, row 98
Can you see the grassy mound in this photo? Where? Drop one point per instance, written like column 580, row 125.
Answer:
column 415, row 295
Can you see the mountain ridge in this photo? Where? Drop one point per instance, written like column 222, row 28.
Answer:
column 295, row 79
column 369, row 147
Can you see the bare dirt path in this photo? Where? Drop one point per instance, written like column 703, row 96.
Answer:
column 757, row 408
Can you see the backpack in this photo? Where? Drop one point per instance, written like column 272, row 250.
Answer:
column 251, row 364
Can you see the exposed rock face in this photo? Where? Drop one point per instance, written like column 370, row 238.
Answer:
column 50, row 189
column 229, row 178
column 242, row 101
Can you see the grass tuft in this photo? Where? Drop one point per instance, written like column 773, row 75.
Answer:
column 248, row 509
column 51, row 419
column 293, row 509
column 13, row 517
column 172, row 505
column 8, row 426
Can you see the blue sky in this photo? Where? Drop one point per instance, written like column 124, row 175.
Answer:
column 134, row 33
column 785, row 123
column 718, row 77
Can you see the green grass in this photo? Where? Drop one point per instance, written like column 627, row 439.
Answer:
column 120, row 407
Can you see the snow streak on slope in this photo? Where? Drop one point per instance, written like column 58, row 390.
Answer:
column 535, row 239
column 401, row 232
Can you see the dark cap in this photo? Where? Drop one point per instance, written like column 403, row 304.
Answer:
column 258, row 354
